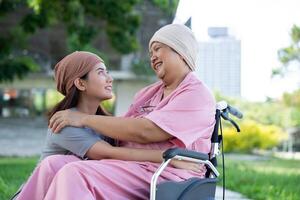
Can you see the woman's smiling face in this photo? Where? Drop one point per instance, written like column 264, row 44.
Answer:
column 165, row 61
column 99, row 83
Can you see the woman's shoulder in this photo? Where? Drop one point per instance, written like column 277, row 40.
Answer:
column 70, row 130
column 149, row 89
column 195, row 89
column 192, row 82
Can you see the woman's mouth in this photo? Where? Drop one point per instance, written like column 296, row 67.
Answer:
column 109, row 88
column 157, row 66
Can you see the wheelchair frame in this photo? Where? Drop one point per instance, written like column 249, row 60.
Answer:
column 222, row 112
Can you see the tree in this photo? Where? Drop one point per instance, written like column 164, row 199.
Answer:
column 77, row 16
column 83, row 21
column 292, row 102
column 291, row 53
column 288, row 55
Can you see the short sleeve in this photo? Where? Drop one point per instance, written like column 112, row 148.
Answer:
column 76, row 140
column 188, row 116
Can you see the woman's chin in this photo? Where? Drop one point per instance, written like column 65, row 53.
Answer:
column 108, row 97
column 159, row 75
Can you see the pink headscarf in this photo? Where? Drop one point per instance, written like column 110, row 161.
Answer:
column 74, row 65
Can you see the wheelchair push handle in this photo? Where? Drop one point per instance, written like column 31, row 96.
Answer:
column 223, row 106
column 235, row 112
column 225, row 109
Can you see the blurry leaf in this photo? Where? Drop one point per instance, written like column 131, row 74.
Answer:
column 291, row 53
column 142, row 68
column 253, row 136
column 83, row 21
column 16, row 67
column 168, row 6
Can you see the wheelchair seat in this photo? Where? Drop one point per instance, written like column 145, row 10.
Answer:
column 191, row 189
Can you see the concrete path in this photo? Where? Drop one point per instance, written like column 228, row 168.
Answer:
column 22, row 137
column 25, row 137
column 229, row 195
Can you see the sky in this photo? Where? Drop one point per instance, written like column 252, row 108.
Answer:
column 263, row 26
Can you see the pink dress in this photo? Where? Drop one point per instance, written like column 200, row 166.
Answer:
column 187, row 114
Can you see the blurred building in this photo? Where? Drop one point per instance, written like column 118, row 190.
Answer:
column 219, row 62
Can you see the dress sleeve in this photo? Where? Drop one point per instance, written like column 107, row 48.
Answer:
column 76, row 140
column 188, row 116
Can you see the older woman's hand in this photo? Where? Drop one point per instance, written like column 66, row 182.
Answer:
column 196, row 167
column 65, row 118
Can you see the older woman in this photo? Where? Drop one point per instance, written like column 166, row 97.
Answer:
column 177, row 111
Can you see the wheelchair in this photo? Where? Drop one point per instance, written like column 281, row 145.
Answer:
column 195, row 188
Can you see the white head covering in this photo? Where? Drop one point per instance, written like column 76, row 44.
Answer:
column 181, row 39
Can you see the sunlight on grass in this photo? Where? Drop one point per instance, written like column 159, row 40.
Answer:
column 264, row 179
column 14, row 171
column 277, row 170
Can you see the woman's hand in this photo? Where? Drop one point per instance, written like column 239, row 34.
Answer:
column 196, row 167
column 65, row 118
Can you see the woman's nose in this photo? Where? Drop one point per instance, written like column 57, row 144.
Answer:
column 153, row 58
column 109, row 78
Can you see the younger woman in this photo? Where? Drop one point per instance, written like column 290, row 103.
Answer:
column 83, row 79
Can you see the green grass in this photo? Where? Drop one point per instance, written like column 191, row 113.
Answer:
column 264, row 179
column 274, row 179
column 13, row 172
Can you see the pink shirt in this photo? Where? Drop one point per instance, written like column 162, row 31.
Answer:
column 188, row 114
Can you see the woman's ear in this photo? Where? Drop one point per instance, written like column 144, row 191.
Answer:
column 79, row 84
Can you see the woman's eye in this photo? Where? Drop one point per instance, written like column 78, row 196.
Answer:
column 103, row 73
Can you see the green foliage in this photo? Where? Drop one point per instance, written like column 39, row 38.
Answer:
column 12, row 67
column 14, row 171
column 291, row 53
column 267, row 113
column 83, row 21
column 168, row 6
column 292, row 102
column 53, row 97
column 253, row 136
column 272, row 115
column 142, row 68
column 292, row 99
column 264, row 179
column 7, row 6
column 109, row 105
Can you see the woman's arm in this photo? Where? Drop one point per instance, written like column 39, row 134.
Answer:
column 102, row 150
column 139, row 130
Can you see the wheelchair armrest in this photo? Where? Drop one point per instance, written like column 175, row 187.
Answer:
column 170, row 153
